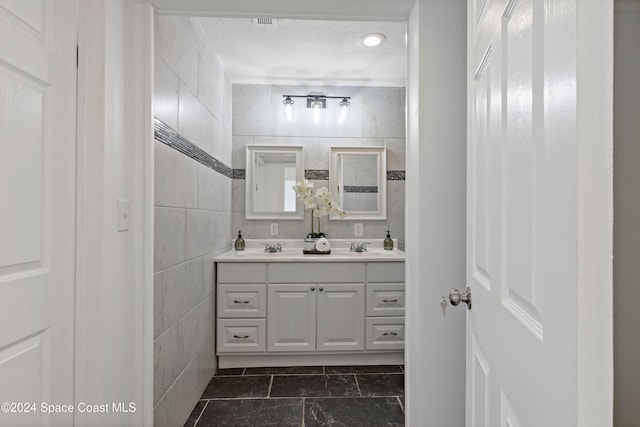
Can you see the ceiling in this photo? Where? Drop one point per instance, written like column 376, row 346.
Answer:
column 310, row 52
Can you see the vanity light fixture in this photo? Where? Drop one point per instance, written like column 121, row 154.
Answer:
column 288, row 102
column 373, row 39
column 316, row 101
column 344, row 103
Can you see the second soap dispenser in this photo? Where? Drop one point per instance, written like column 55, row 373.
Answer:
column 239, row 244
column 388, row 242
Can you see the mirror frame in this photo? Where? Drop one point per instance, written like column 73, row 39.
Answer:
column 251, row 152
column 381, row 213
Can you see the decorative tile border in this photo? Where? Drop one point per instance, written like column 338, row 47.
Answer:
column 395, row 175
column 323, row 175
column 317, row 174
column 360, row 189
column 173, row 139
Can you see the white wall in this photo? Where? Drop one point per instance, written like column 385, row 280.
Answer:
column 376, row 118
column 192, row 214
column 626, row 249
column 112, row 320
column 436, row 247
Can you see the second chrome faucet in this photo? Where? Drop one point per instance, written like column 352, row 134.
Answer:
column 273, row 247
column 358, row 247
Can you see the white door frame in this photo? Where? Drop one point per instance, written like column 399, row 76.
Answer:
column 436, row 213
column 594, row 130
column 114, row 270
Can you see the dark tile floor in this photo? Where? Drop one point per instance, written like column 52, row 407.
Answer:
column 309, row 396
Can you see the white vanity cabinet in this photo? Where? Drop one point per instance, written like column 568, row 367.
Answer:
column 320, row 312
column 315, row 317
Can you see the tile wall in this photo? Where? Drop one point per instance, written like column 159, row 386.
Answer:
column 376, row 118
column 192, row 108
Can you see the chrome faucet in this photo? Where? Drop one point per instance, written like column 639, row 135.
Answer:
column 273, row 247
column 358, row 247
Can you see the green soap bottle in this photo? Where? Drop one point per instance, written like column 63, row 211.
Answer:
column 239, row 242
column 388, row 242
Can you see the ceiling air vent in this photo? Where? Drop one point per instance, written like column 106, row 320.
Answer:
column 264, row 22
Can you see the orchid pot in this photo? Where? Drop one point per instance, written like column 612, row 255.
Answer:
column 319, row 203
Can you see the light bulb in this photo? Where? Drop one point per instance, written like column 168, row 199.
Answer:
column 373, row 39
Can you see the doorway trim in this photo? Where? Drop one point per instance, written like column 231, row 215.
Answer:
column 114, row 312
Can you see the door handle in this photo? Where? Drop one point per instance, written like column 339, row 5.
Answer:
column 456, row 297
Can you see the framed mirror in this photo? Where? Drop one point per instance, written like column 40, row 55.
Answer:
column 358, row 181
column 270, row 175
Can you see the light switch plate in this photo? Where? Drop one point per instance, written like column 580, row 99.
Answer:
column 123, row 214
column 274, row 229
column 358, row 230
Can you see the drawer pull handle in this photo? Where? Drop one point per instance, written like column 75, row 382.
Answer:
column 235, row 301
column 395, row 334
column 390, row 300
column 242, row 337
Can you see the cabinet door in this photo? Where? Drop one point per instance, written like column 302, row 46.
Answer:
column 340, row 317
column 291, row 317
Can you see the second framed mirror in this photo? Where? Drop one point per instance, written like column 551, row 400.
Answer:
column 357, row 178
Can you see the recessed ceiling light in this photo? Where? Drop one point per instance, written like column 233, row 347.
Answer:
column 373, row 39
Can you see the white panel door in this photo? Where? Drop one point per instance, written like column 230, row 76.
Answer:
column 340, row 317
column 291, row 317
column 521, row 233
column 37, row 208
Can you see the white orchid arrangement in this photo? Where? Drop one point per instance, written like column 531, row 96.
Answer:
column 319, row 202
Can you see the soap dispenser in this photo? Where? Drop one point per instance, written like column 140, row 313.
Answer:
column 239, row 242
column 388, row 242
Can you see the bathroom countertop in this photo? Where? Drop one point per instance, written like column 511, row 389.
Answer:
column 292, row 252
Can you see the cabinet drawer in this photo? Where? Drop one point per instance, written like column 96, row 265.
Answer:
column 380, row 272
column 385, row 299
column 241, row 335
column 316, row 272
column 385, row 333
column 242, row 272
column 242, row 300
